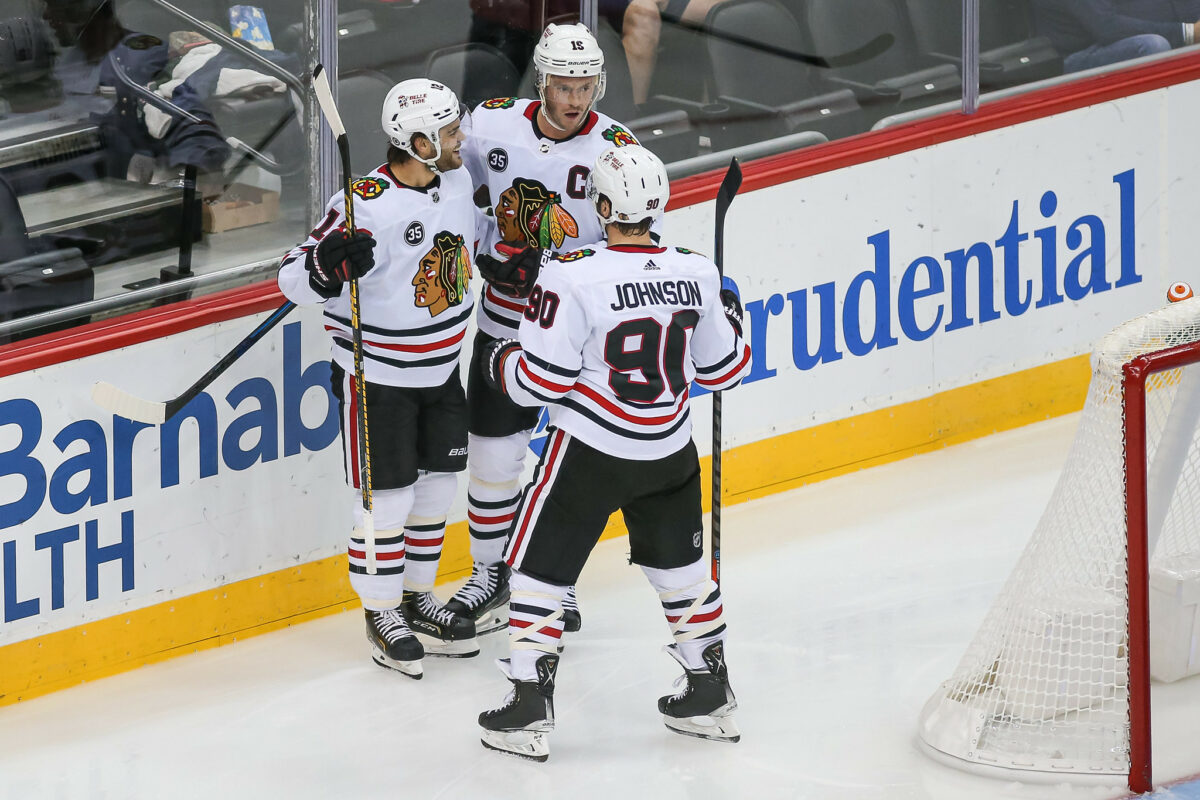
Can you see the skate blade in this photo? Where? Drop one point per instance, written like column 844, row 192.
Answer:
column 462, row 648
column 492, row 621
column 531, row 745
column 412, row 669
column 717, row 729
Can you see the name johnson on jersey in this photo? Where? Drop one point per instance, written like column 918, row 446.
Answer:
column 657, row 293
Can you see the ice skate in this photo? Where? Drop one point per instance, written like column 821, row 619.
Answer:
column 393, row 644
column 572, row 621
column 519, row 726
column 442, row 633
column 483, row 598
column 704, row 707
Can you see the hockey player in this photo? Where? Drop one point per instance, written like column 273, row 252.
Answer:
column 416, row 232
column 531, row 158
column 611, row 339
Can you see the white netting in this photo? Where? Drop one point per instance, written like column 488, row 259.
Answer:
column 1044, row 684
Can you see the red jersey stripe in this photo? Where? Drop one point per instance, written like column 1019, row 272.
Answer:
column 510, row 303
column 709, row 617
column 478, row 519
column 553, row 633
column 548, row 475
column 393, row 555
column 730, row 373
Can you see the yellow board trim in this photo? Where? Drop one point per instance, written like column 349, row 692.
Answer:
column 219, row 616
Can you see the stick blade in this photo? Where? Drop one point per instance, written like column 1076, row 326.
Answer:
column 126, row 405
column 730, row 184
column 320, row 81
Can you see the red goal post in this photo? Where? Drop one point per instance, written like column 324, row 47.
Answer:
column 1057, row 679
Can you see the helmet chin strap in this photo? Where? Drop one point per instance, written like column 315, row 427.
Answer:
column 429, row 162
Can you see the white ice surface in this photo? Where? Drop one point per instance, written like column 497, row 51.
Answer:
column 848, row 601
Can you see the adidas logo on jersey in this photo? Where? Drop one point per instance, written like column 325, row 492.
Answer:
column 651, row 265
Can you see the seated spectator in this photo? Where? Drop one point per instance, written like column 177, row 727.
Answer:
column 1095, row 33
column 88, row 31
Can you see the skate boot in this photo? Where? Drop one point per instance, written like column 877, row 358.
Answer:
column 519, row 726
column 705, row 706
column 393, row 644
column 442, row 633
column 570, row 606
column 483, row 598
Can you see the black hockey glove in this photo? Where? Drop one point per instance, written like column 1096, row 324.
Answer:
column 514, row 277
column 491, row 358
column 733, row 308
column 339, row 258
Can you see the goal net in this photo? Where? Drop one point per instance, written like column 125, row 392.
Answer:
column 1056, row 678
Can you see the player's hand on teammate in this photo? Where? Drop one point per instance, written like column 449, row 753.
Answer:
column 339, row 258
column 514, row 277
column 492, row 360
column 732, row 303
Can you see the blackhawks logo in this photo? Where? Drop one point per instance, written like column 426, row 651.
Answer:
column 574, row 255
column 500, row 102
column 369, row 188
column 618, row 136
column 530, row 215
column 443, row 274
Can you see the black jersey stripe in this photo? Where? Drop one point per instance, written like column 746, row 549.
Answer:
column 497, row 318
column 672, row 605
column 346, row 344
column 623, row 429
column 525, row 608
column 482, row 504
column 408, row 333
column 546, row 366
column 433, row 526
column 720, row 365
column 380, row 541
column 537, row 391
column 357, row 570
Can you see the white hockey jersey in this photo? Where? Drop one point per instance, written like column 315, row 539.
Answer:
column 416, row 303
column 611, row 340
column 524, row 172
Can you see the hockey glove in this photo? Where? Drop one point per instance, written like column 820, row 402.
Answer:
column 491, row 358
column 733, row 307
column 514, row 277
column 339, row 258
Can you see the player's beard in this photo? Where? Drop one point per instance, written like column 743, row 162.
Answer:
column 449, row 160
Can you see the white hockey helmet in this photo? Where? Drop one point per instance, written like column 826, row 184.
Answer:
column 633, row 180
column 569, row 51
column 419, row 105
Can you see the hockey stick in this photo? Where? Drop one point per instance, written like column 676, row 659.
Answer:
column 729, row 187
column 132, row 407
column 329, row 109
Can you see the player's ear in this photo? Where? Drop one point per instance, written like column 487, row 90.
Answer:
column 422, row 145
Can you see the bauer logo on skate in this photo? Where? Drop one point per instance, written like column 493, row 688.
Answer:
column 86, row 506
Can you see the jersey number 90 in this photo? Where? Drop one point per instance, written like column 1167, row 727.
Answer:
column 542, row 307
column 638, row 375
